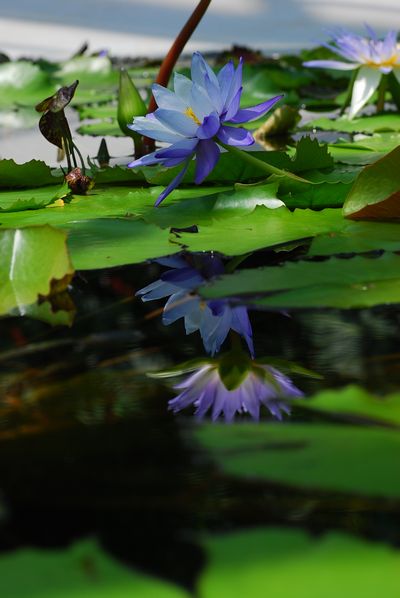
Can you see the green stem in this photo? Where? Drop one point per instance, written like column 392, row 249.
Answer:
column 380, row 103
column 260, row 164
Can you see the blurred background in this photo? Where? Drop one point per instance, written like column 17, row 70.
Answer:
column 135, row 27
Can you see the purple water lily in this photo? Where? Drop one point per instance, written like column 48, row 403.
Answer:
column 196, row 117
column 371, row 56
column 213, row 319
column 261, row 385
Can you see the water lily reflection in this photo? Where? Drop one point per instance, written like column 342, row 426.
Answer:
column 213, row 319
column 239, row 387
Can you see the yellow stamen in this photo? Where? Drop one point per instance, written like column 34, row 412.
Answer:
column 189, row 112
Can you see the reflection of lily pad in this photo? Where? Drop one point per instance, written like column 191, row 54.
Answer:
column 83, row 570
column 286, row 562
column 340, row 458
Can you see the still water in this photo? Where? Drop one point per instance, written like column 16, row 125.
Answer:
column 89, row 447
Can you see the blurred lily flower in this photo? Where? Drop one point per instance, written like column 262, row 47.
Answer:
column 213, row 319
column 372, row 57
column 198, row 116
column 212, row 387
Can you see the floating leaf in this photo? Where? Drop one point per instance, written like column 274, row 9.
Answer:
column 353, row 401
column 285, row 562
column 83, row 570
column 31, row 199
column 34, row 173
column 358, row 237
column 310, row 155
column 375, row 194
column 32, row 258
column 344, row 283
column 364, row 124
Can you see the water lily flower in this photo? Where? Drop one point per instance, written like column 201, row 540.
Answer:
column 258, row 385
column 373, row 58
column 213, row 319
column 196, row 118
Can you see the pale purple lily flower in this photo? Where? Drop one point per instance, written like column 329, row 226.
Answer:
column 195, row 117
column 261, row 385
column 213, row 319
column 371, row 56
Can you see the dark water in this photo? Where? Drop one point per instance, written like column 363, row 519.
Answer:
column 88, row 446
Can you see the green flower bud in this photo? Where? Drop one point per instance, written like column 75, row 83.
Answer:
column 130, row 104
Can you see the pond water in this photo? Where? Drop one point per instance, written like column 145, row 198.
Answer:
column 89, row 447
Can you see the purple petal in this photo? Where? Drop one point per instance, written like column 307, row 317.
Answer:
column 156, row 290
column 171, row 162
column 177, row 306
column 241, row 325
column 207, row 155
column 181, row 149
column 172, row 185
column 172, row 261
column 210, row 126
column 252, row 113
column 331, row 64
column 214, row 93
column 235, row 86
column 177, row 121
column 235, row 136
column 153, row 128
column 186, row 278
column 147, row 160
column 233, row 106
column 167, row 99
column 225, row 79
column 200, row 70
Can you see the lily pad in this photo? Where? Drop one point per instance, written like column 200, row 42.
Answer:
column 364, row 124
column 354, row 401
column 338, row 458
column 343, row 283
column 375, row 194
column 34, row 173
column 32, row 259
column 283, row 562
column 83, row 570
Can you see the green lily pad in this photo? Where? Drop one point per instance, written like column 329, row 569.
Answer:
column 25, row 83
column 107, row 243
column 286, row 562
column 261, row 228
column 31, row 199
column 342, row 283
column 375, row 194
column 83, row 570
column 34, row 173
column 32, row 258
column 339, row 458
column 358, row 237
column 364, row 124
column 355, row 401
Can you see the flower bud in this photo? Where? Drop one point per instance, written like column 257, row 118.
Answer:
column 130, row 104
